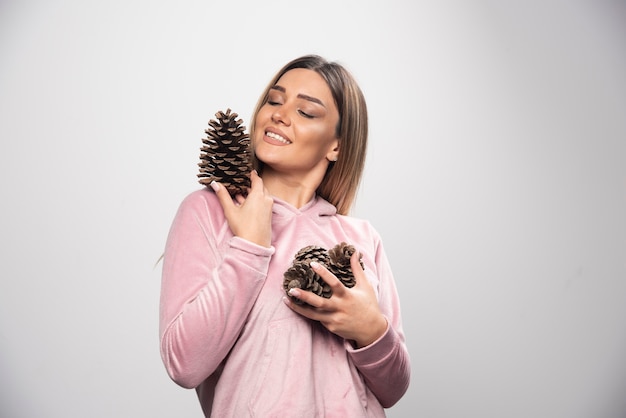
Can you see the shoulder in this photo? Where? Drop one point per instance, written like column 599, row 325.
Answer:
column 359, row 227
column 199, row 198
column 359, row 223
column 202, row 193
column 200, row 204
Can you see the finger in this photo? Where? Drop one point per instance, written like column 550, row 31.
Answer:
column 355, row 264
column 222, row 195
column 240, row 199
column 309, row 308
column 255, row 181
column 325, row 274
column 304, row 296
column 358, row 272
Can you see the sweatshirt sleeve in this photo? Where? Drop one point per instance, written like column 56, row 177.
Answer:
column 210, row 282
column 385, row 364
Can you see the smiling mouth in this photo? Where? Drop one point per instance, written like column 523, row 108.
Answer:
column 277, row 137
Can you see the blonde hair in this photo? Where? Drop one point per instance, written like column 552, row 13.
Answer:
column 341, row 181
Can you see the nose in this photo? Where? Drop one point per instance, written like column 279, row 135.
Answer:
column 279, row 116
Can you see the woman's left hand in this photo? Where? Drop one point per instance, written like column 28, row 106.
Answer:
column 352, row 313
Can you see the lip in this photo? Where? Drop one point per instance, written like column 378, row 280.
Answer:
column 275, row 141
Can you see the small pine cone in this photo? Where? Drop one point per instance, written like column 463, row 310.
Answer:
column 225, row 155
column 302, row 276
column 298, row 275
column 339, row 257
column 312, row 253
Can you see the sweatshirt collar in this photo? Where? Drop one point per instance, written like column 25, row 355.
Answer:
column 315, row 207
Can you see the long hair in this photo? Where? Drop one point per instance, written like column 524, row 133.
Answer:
column 341, row 181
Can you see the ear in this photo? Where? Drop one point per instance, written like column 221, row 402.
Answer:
column 333, row 154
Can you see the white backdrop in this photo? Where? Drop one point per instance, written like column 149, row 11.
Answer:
column 496, row 176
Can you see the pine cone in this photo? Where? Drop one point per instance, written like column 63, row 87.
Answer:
column 339, row 257
column 301, row 275
column 313, row 253
column 225, row 155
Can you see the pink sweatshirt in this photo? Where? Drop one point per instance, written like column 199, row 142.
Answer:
column 226, row 331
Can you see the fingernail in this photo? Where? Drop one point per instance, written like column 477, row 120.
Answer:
column 294, row 292
column 315, row 265
column 215, row 186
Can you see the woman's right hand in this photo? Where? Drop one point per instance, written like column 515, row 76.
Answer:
column 249, row 218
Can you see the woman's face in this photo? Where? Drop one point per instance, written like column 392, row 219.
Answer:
column 295, row 129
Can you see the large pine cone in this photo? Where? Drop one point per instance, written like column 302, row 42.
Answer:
column 301, row 275
column 225, row 155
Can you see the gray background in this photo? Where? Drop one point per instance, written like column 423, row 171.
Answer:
column 496, row 176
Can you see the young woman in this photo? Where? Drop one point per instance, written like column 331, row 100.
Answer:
column 227, row 327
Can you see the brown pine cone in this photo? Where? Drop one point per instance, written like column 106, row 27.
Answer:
column 301, row 275
column 225, row 155
column 339, row 257
column 313, row 253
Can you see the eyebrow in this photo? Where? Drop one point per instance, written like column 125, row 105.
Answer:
column 300, row 96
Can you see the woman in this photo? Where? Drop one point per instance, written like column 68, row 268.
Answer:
column 227, row 328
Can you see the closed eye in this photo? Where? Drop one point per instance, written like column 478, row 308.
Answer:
column 306, row 115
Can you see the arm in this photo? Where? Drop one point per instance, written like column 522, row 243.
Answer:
column 385, row 364
column 210, row 282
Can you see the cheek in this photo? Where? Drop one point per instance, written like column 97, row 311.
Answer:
column 324, row 137
column 263, row 115
column 258, row 127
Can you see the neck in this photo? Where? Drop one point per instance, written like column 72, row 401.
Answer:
column 293, row 189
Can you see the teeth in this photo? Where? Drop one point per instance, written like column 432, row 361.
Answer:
column 277, row 137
